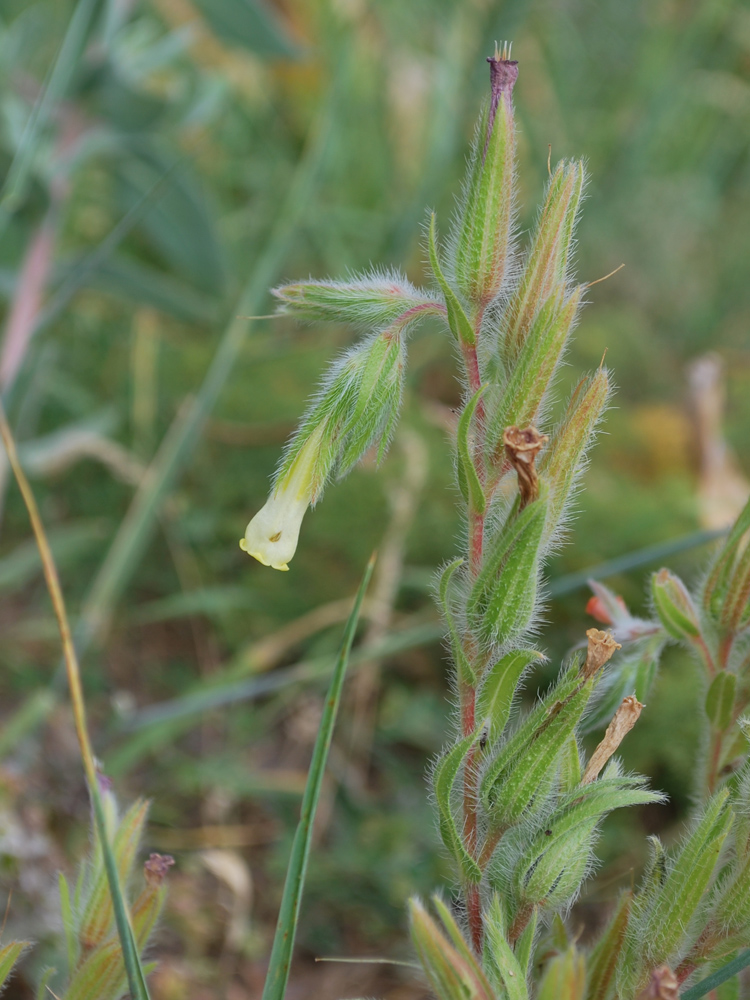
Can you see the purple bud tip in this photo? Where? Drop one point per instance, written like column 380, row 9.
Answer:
column 156, row 868
column 105, row 784
column 503, row 75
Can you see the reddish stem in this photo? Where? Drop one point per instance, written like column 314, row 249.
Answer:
column 519, row 924
column 708, row 659
column 474, row 913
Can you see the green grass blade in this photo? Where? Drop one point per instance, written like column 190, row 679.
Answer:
column 717, row 978
column 286, row 928
column 131, row 958
column 66, row 64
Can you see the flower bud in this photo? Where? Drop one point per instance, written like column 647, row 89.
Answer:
column 674, row 605
column 563, row 459
column 565, row 977
column 373, row 300
column 549, row 255
column 450, row 967
column 357, row 406
column 483, row 240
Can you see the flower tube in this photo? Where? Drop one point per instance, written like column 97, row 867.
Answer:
column 271, row 536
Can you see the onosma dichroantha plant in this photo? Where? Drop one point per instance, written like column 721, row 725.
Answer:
column 518, row 805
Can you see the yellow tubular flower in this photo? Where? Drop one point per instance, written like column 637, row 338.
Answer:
column 271, row 537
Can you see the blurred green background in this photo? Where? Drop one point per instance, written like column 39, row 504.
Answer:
column 163, row 163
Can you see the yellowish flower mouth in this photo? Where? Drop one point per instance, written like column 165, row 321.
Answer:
column 262, row 554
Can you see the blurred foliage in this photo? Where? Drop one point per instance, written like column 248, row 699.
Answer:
column 138, row 199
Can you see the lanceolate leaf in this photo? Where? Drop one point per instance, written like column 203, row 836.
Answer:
column 444, row 780
column 468, row 471
column 533, row 372
column 502, row 965
column 9, row 955
column 458, row 321
column 501, row 603
column 679, row 897
column 562, row 846
column 463, row 666
column 510, row 788
column 498, row 688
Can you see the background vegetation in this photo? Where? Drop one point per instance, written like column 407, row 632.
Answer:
column 188, row 155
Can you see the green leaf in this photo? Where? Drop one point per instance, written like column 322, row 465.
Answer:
column 101, row 976
column 498, row 688
column 570, row 765
column 467, row 469
column 675, row 903
column 443, row 781
column 524, row 950
column 737, row 593
column 534, row 720
column 533, row 373
column 97, row 921
column 513, row 780
column 720, row 700
column 454, row 931
column 504, row 970
column 674, row 605
column 250, row 23
column 463, row 666
column 9, row 955
column 42, row 991
column 457, row 319
column 550, row 868
column 503, row 598
column 286, row 927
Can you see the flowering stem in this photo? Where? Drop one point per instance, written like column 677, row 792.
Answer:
column 467, row 692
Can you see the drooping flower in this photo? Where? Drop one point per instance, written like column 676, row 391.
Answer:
column 271, row 536
column 356, row 408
